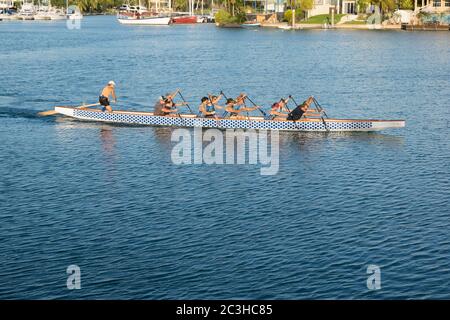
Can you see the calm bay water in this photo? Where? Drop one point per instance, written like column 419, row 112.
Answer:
column 109, row 199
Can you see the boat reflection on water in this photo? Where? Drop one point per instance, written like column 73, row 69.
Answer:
column 305, row 139
column 163, row 136
column 307, row 149
column 108, row 143
column 109, row 153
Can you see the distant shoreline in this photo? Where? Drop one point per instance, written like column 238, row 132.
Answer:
column 305, row 26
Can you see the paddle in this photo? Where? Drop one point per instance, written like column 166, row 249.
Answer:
column 226, row 98
column 323, row 120
column 214, row 105
column 53, row 112
column 171, row 108
column 258, row 108
column 319, row 107
column 187, row 105
column 245, row 106
column 289, row 97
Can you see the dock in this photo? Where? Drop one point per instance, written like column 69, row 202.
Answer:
column 426, row 27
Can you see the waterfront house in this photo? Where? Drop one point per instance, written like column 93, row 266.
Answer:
column 6, row 4
column 320, row 6
column 324, row 6
column 432, row 6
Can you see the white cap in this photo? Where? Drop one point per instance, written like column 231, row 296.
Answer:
column 112, row 83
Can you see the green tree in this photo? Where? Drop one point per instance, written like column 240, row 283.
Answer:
column 288, row 15
column 224, row 17
column 406, row 4
column 305, row 5
column 385, row 5
column 181, row 5
column 363, row 5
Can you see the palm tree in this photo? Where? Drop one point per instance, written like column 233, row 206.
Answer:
column 385, row 5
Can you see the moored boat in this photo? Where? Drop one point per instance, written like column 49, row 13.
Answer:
column 285, row 27
column 27, row 11
column 184, row 19
column 41, row 16
column 251, row 122
column 139, row 15
column 251, row 24
column 202, row 19
column 143, row 20
column 56, row 14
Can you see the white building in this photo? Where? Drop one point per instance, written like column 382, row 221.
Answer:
column 432, row 6
column 320, row 6
column 324, row 6
column 6, row 4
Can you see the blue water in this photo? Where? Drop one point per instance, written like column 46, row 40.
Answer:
column 108, row 198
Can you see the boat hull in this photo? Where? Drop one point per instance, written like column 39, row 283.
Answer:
column 41, row 17
column 74, row 16
column 25, row 17
column 184, row 20
column 153, row 21
column 57, row 17
column 187, row 120
column 251, row 25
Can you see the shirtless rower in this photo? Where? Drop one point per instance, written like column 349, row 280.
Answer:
column 107, row 91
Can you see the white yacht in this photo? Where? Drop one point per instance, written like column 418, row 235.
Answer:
column 56, row 14
column 42, row 10
column 27, row 11
column 139, row 15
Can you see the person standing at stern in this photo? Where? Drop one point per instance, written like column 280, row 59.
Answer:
column 108, row 90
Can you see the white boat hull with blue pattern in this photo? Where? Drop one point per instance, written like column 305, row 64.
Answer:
column 189, row 120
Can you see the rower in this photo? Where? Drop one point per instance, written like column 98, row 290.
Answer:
column 207, row 107
column 240, row 99
column 298, row 112
column 215, row 99
column 277, row 109
column 235, row 109
column 169, row 106
column 107, row 91
column 159, row 105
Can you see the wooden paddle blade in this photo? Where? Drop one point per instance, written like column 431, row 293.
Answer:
column 47, row 113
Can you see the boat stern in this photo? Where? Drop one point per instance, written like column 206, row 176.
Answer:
column 67, row 111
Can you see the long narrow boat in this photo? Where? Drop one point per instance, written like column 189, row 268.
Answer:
column 144, row 20
column 189, row 120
